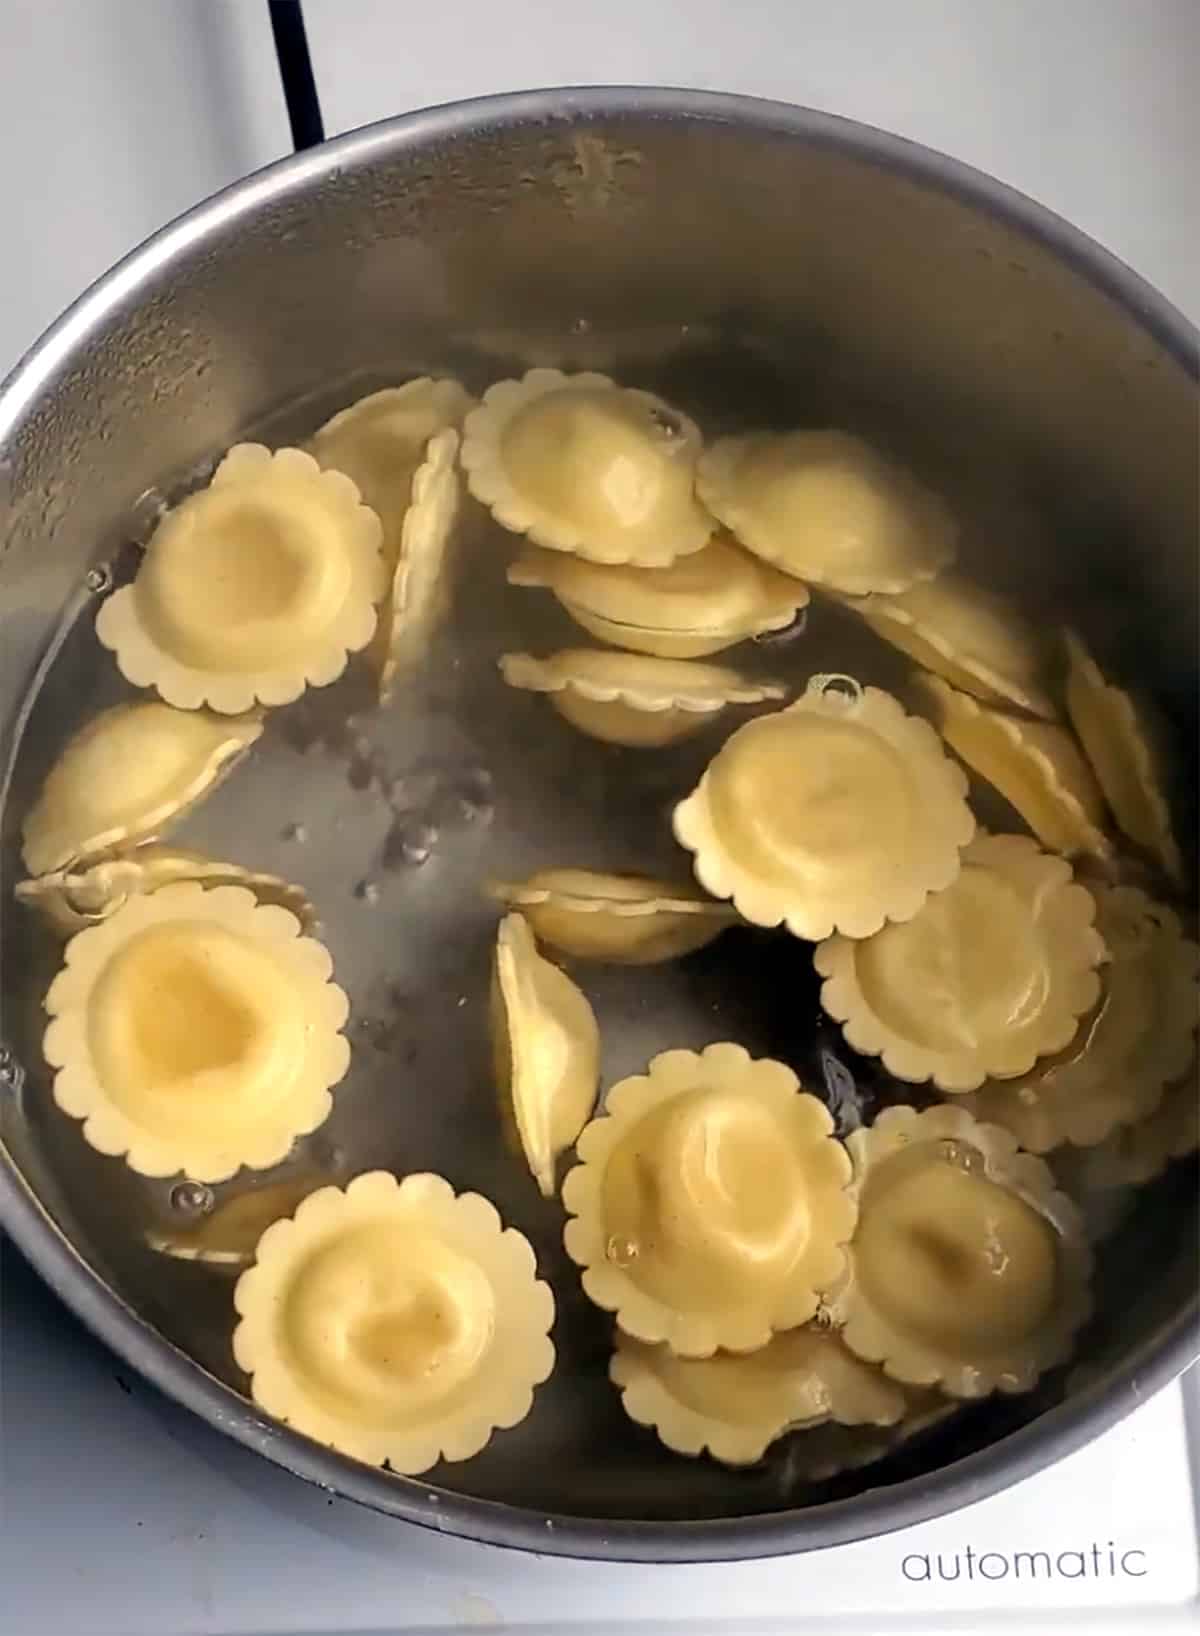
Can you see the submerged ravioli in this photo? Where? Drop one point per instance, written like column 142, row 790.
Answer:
column 992, row 973
column 252, row 589
column 77, row 897
column 1133, row 1155
column 581, row 464
column 547, row 1049
column 624, row 920
column 1119, row 746
column 195, row 1030
column 968, row 1268
column 841, row 811
column 381, row 441
column 418, row 595
column 1138, row 1040
column 970, row 636
column 1037, row 767
column 709, row 1206
column 828, row 508
column 632, row 698
column 126, row 776
column 733, row 1405
column 821, row 1452
column 395, row 1321
column 697, row 606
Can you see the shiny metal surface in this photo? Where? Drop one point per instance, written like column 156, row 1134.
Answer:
column 759, row 265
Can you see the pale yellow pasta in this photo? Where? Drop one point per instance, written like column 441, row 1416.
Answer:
column 252, row 589
column 697, row 605
column 546, row 1047
column 1036, row 765
column 709, row 1205
column 196, row 1030
column 828, row 508
column 992, row 973
column 968, row 1268
column 395, row 1321
column 581, row 464
column 733, row 1405
column 625, row 920
column 127, row 776
column 632, row 698
column 841, row 811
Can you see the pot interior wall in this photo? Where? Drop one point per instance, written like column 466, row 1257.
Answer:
column 756, row 278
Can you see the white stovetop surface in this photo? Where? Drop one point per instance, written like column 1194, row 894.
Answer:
column 120, row 1516
column 124, row 1516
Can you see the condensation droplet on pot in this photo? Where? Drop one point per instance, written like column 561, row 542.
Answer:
column 191, row 1198
column 294, row 832
column 99, row 579
column 368, row 891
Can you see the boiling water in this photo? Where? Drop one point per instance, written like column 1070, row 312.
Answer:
column 393, row 819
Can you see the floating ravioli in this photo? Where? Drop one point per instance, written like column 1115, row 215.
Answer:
column 733, row 1405
column 633, row 698
column 970, row 636
column 128, row 775
column 418, row 596
column 1036, row 765
column 1135, row 1154
column 74, row 898
column 624, row 920
column 581, row 464
column 229, row 1235
column 1140, row 1038
column 1127, row 763
column 969, row 1269
column 252, row 589
column 195, row 1030
column 380, row 441
column 828, row 508
column 547, row 1049
column 710, row 1204
column 698, row 605
column 993, row 973
column 839, row 812
column 395, row 1321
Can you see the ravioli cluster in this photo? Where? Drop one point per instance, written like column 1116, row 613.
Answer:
column 1028, row 989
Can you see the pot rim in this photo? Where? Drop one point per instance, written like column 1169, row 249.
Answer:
column 1020, row 1454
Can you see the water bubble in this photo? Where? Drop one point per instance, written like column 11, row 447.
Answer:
column 191, row 1198
column 837, row 689
column 961, row 1155
column 294, row 832
column 621, row 1251
column 99, row 579
column 409, row 845
column 12, row 1075
column 328, row 1155
column 368, row 891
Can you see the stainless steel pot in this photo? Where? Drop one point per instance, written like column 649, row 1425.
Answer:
column 756, row 262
